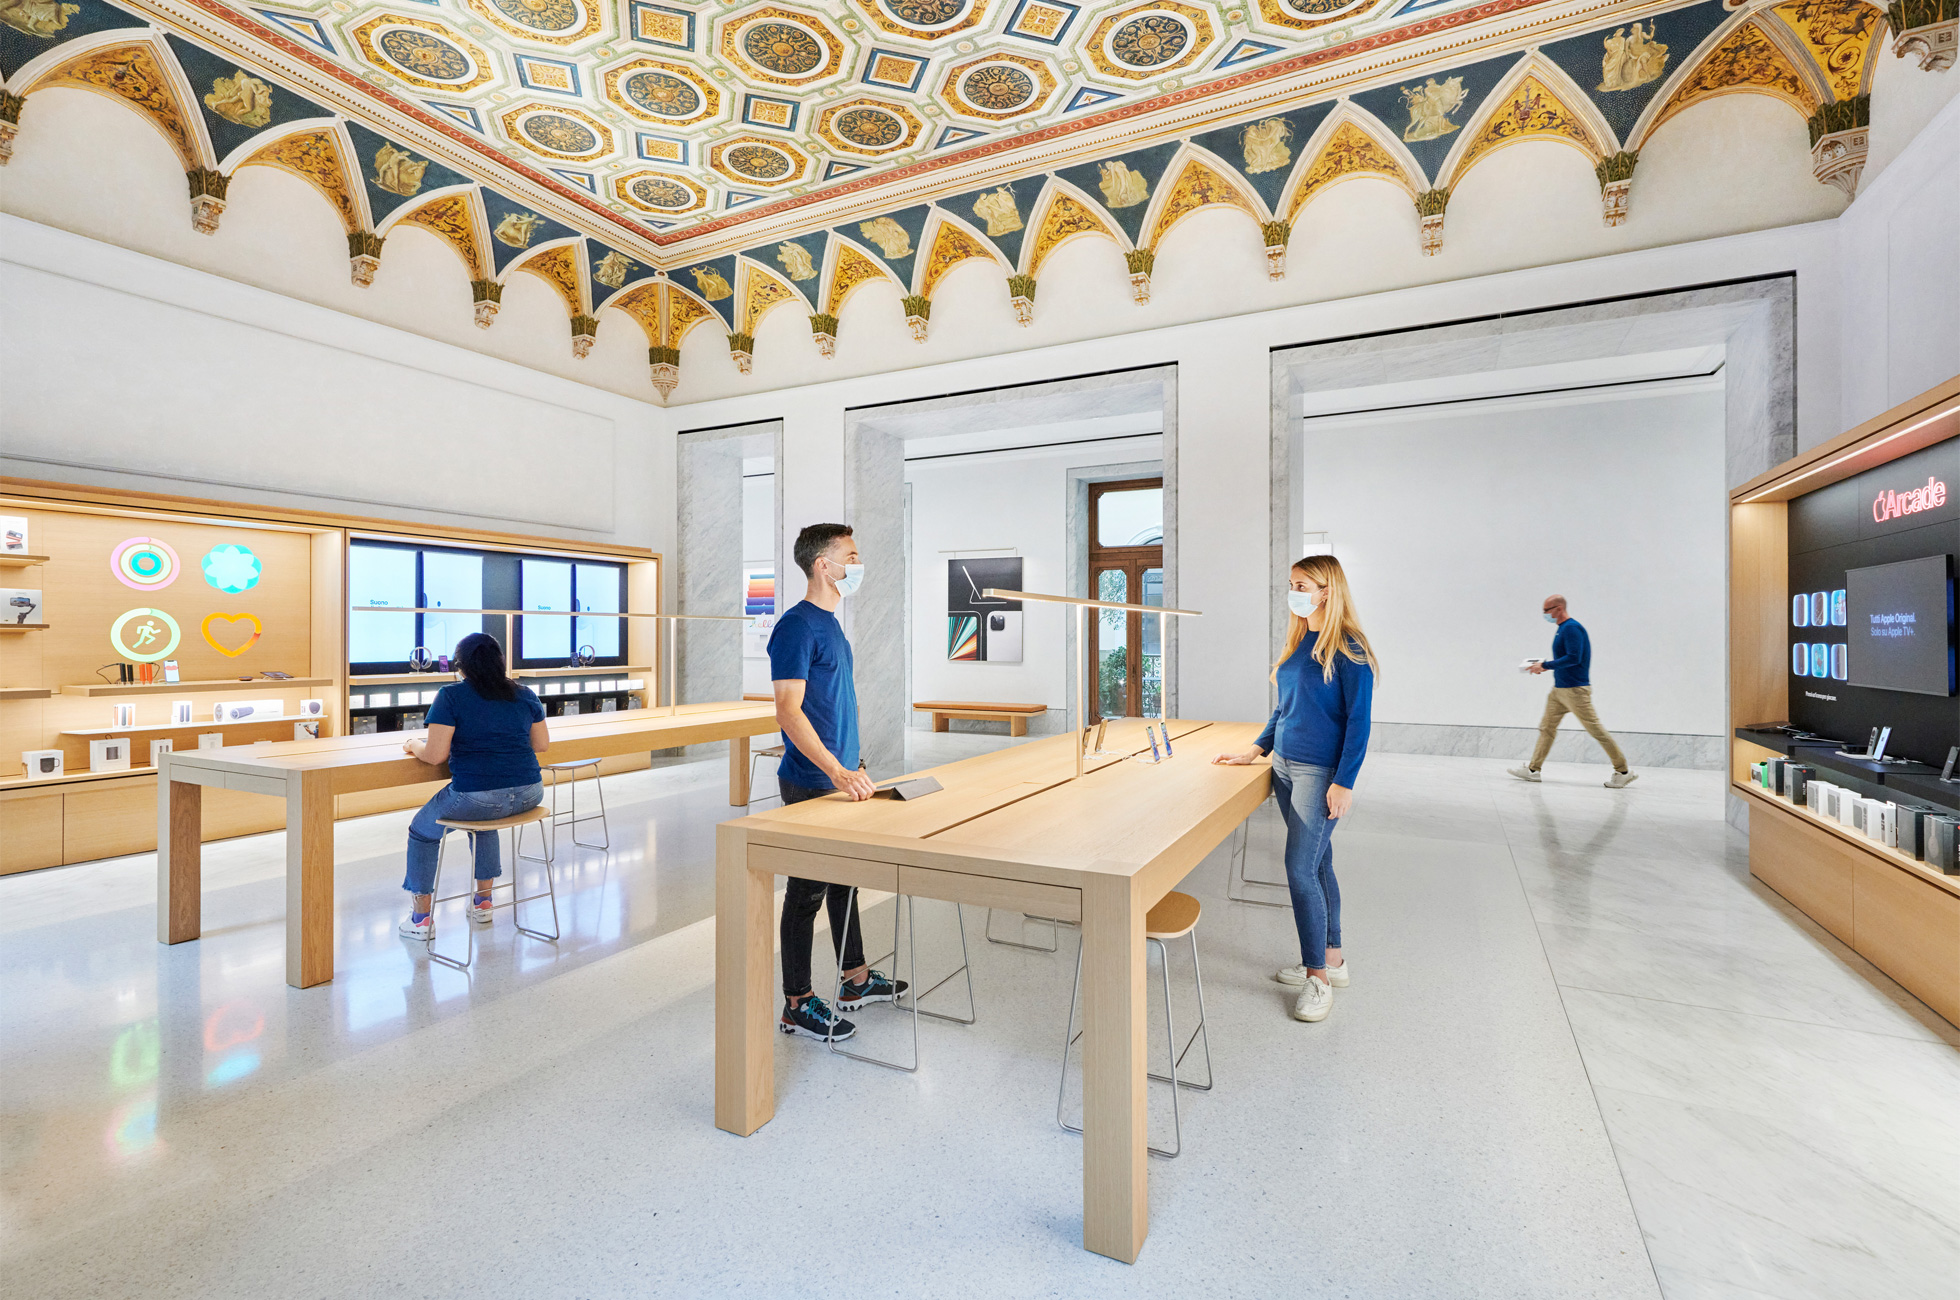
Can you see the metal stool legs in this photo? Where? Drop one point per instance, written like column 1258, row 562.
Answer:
column 566, row 774
column 913, row 992
column 1236, row 881
column 1053, row 933
column 438, row 898
column 1170, row 1041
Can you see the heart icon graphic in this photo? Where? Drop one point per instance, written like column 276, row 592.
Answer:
column 258, row 630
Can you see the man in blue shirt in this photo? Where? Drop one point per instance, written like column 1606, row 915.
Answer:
column 816, row 705
column 1571, row 669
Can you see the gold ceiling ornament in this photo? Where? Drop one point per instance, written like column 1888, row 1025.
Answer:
column 654, row 90
column 1350, row 151
column 925, row 20
column 868, row 127
column 1531, row 110
column 423, row 53
column 240, row 99
column 1146, row 41
column 951, row 245
column 132, row 74
column 1066, row 218
column 1306, row 15
column 452, row 219
column 1746, row 61
column 43, row 18
column 557, row 22
column 558, row 267
column 762, row 291
column 752, row 160
column 998, row 87
column 555, row 131
column 315, row 157
column 669, row 194
column 852, row 269
column 1841, row 35
column 781, row 47
column 643, row 302
column 1197, row 186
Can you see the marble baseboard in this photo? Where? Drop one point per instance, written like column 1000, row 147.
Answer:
column 1642, row 748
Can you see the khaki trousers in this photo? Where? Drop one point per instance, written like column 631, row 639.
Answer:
column 1576, row 700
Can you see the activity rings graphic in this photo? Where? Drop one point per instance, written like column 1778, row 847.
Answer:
column 258, row 630
column 144, row 563
column 149, row 643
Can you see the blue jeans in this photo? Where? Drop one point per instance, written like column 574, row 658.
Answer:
column 425, row 837
column 1302, row 793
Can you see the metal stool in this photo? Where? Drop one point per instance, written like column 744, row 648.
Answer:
column 566, row 774
column 1173, row 918
column 1236, row 881
column 515, row 824
column 1053, row 940
column 774, row 751
column 913, row 992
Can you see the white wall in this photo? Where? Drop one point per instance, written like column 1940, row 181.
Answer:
column 1455, row 526
column 980, row 503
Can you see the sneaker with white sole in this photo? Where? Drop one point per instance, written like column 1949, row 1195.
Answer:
column 417, row 927
column 482, row 909
column 1524, row 774
column 1620, row 780
column 1296, row 976
column 1315, row 1001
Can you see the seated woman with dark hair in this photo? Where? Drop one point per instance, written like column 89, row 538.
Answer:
column 490, row 730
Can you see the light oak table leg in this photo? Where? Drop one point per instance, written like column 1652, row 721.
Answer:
column 180, row 860
column 1115, row 1186
column 1017, row 726
column 309, row 879
column 745, row 992
column 738, row 772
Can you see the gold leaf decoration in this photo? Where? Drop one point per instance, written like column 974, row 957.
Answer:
column 1748, row 60
column 950, row 247
column 765, row 291
column 1350, row 151
column 555, row 267
column 449, row 219
column 1066, row 218
column 130, row 72
column 853, row 269
column 1532, row 110
column 684, row 312
column 314, row 157
column 1198, row 186
column 1840, row 35
column 642, row 303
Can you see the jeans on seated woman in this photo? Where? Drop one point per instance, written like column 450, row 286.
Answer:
column 451, row 804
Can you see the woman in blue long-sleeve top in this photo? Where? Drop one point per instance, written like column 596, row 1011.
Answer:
column 1317, row 737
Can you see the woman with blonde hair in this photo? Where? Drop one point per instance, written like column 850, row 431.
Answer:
column 1317, row 736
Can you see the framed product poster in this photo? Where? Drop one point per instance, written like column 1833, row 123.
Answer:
column 759, row 603
column 981, row 628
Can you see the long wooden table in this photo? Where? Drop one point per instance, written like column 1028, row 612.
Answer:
column 307, row 774
column 1010, row 829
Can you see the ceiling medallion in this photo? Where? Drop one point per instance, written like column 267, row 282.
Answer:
column 1304, row 15
column 925, row 19
column 661, row 92
column 755, row 161
column 998, row 87
column 1148, row 40
column 556, row 132
column 423, row 53
column 868, row 126
column 781, row 47
column 666, row 193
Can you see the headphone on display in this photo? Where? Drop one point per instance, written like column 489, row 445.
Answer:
column 584, row 657
column 420, row 660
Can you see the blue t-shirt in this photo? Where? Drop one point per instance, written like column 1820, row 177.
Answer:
column 1571, row 661
column 492, row 746
column 1318, row 722
column 808, row 645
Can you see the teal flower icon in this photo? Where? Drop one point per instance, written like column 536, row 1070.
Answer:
column 232, row 569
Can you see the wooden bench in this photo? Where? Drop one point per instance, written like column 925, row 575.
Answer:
column 1014, row 715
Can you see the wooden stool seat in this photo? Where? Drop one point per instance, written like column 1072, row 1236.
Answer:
column 525, row 818
column 1175, row 916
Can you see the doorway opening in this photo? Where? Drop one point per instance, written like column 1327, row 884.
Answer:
column 1126, row 563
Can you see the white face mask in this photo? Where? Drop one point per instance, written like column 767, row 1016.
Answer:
column 853, row 576
column 1302, row 603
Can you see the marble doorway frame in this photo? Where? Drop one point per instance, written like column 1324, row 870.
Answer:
column 709, row 559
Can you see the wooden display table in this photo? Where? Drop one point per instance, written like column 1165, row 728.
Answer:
column 307, row 774
column 1014, row 715
column 1009, row 830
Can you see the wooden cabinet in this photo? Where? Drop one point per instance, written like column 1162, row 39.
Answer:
column 30, row 830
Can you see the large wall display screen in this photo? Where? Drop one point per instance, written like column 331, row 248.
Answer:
column 1899, row 618
column 1871, row 638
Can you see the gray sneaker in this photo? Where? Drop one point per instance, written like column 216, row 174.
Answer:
column 1524, row 774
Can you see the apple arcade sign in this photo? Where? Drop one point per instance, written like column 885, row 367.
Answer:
column 1892, row 505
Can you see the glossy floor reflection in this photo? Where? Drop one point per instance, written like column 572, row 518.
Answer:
column 1584, row 1055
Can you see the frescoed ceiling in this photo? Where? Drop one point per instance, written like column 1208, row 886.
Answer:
column 675, row 118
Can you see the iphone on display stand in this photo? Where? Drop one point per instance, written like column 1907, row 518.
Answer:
column 1946, row 773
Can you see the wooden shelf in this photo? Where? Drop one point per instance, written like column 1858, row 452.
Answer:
column 410, row 679
column 12, row 783
column 599, row 671
column 403, row 679
column 24, row 692
column 20, row 560
column 23, row 627
column 1851, row 835
column 98, row 690
column 206, row 726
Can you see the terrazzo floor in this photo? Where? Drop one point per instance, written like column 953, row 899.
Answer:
column 1584, row 1055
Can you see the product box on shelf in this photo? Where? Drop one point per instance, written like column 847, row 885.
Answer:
column 13, row 533
column 125, row 715
column 1796, row 782
column 211, row 740
column 1941, row 833
column 18, row 605
column 365, row 725
column 181, row 712
column 158, row 748
column 312, row 708
column 109, row 755
column 41, row 763
column 248, row 710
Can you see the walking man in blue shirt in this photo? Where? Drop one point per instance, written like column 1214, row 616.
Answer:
column 1571, row 669
column 816, row 705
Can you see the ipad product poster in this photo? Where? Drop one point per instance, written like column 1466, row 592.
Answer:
column 1800, row 654
column 1800, row 611
column 1820, row 659
column 1820, row 609
column 968, row 580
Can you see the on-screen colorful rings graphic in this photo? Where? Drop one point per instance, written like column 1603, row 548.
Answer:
column 144, row 563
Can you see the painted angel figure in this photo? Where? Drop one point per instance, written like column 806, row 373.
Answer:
column 1122, row 187
column 1632, row 58
column 796, row 260
column 888, row 235
column 240, row 98
column 612, row 268
column 713, row 285
column 516, row 228
column 1430, row 106
column 398, row 171
column 997, row 208
column 36, row 17
column 1264, row 144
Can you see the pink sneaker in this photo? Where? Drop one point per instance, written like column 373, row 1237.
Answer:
column 416, row 927
column 482, row 910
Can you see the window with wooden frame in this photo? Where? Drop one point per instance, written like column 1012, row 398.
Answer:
column 1126, row 563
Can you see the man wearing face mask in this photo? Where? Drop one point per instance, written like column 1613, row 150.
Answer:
column 816, row 706
column 1571, row 670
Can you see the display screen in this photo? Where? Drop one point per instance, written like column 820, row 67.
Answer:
column 380, row 575
column 547, row 585
column 1899, row 617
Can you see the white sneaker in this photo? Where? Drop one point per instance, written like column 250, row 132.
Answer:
column 1296, row 976
column 1524, row 774
column 1315, row 1001
column 1620, row 780
column 411, row 928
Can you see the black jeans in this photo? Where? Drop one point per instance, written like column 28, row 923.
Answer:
column 799, row 928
